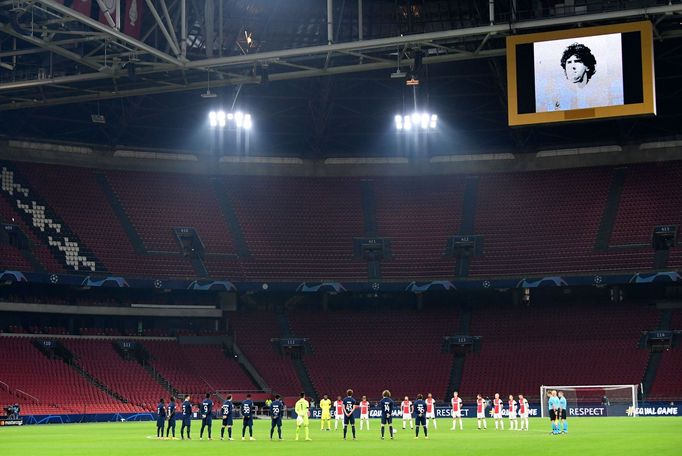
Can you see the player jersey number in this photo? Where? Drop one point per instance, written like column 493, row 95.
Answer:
column 349, row 407
column 420, row 409
column 247, row 409
column 387, row 408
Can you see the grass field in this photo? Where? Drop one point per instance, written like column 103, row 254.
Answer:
column 587, row 436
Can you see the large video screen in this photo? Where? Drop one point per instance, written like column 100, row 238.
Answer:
column 581, row 74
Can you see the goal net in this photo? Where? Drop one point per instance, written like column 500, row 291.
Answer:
column 594, row 400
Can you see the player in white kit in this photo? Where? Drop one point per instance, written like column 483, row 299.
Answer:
column 456, row 410
column 338, row 412
column 480, row 412
column 431, row 411
column 513, row 423
column 406, row 407
column 523, row 412
column 497, row 412
column 364, row 412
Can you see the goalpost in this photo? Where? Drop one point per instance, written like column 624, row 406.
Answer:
column 624, row 396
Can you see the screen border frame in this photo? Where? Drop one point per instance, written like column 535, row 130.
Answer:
column 647, row 107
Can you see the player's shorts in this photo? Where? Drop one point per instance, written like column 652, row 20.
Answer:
column 326, row 416
column 186, row 420
column 208, row 419
column 227, row 421
column 457, row 414
column 160, row 421
column 364, row 416
column 497, row 416
column 339, row 416
column 247, row 421
column 480, row 415
column 350, row 419
column 523, row 415
column 171, row 422
column 277, row 421
column 431, row 415
column 407, row 416
column 512, row 415
column 563, row 414
column 420, row 420
column 302, row 420
column 386, row 419
column 552, row 415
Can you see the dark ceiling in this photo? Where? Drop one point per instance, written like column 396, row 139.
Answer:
column 346, row 114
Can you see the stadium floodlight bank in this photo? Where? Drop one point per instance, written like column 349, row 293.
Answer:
column 582, row 399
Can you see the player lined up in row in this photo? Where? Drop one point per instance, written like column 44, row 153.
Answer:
column 417, row 414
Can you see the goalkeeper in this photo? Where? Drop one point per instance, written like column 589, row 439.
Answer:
column 302, row 410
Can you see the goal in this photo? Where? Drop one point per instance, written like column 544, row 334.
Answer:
column 622, row 399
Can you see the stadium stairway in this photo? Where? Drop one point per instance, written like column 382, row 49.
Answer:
column 119, row 211
column 468, row 220
column 610, row 210
column 299, row 364
column 228, row 212
column 62, row 352
column 65, row 246
column 458, row 359
column 27, row 254
column 655, row 357
column 369, row 217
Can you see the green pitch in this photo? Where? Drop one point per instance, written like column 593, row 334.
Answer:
column 587, row 436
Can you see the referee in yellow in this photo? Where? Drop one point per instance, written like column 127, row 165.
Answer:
column 302, row 410
column 326, row 406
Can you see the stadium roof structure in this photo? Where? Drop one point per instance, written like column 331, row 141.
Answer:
column 316, row 75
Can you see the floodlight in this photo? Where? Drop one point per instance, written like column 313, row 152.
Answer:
column 213, row 119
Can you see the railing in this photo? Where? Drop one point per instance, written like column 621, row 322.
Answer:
column 25, row 395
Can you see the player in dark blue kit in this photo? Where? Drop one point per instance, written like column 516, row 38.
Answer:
column 186, row 418
column 276, row 411
column 386, row 406
column 349, row 406
column 206, row 416
column 420, row 416
column 227, row 411
column 247, row 415
column 160, row 418
column 171, row 417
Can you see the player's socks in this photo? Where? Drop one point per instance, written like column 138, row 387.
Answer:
column 229, row 433
column 222, row 433
column 390, row 430
column 279, row 432
column 367, row 425
column 382, row 431
column 460, row 425
column 345, row 431
column 361, row 423
column 502, row 424
column 435, row 423
column 485, row 423
column 307, row 433
column 417, row 432
column 353, row 429
column 565, row 426
column 426, row 432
